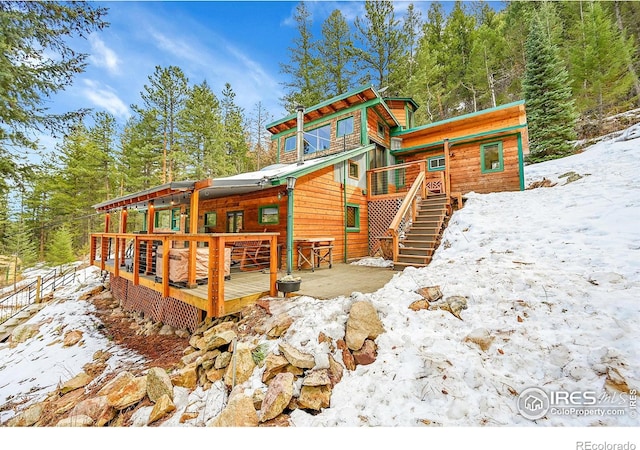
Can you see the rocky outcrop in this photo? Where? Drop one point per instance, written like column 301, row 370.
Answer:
column 125, row 390
column 363, row 323
column 277, row 397
column 158, row 384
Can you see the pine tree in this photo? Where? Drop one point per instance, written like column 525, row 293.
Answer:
column 200, row 123
column 234, row 137
column 336, row 54
column 551, row 113
column 263, row 153
column 382, row 43
column 306, row 85
column 36, row 62
column 60, row 249
column 140, row 163
column 165, row 94
column 600, row 63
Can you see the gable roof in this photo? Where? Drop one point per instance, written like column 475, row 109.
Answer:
column 363, row 95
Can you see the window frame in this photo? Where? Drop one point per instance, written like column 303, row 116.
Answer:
column 356, row 227
column 381, row 130
column 351, row 163
column 400, row 174
column 483, row 148
column 310, row 134
column 340, row 121
column 234, row 214
column 207, row 223
column 439, row 168
column 290, row 139
column 174, row 217
column 261, row 211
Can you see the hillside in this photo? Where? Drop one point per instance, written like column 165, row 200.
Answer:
column 551, row 281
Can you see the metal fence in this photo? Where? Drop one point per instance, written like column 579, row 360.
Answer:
column 35, row 291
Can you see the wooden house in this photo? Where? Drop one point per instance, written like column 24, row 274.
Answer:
column 354, row 177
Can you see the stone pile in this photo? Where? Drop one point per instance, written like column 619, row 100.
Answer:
column 225, row 354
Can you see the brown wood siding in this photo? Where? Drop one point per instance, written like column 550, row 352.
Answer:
column 319, row 212
column 337, row 144
column 372, row 128
column 466, row 171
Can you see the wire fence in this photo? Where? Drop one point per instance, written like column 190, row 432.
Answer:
column 35, row 291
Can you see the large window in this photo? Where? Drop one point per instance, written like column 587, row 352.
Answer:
column 345, row 126
column 491, row 157
column 317, row 140
column 353, row 218
column 290, row 144
column 436, row 163
column 268, row 215
column 210, row 219
column 167, row 219
column 235, row 221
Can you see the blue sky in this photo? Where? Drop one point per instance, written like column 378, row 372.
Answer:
column 240, row 42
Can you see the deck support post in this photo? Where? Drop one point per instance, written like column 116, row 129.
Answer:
column 151, row 213
column 447, row 167
column 193, row 245
column 123, row 230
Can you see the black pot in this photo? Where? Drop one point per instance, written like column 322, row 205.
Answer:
column 288, row 286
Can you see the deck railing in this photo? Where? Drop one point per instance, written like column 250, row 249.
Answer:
column 207, row 258
column 397, row 180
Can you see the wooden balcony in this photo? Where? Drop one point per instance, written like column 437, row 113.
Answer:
column 193, row 268
column 396, row 181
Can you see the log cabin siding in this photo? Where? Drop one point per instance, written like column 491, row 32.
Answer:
column 337, row 144
column 466, row 171
column 319, row 212
column 373, row 119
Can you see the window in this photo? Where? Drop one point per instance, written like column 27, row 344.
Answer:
column 210, row 219
column 175, row 219
column 381, row 132
column 353, row 218
column 491, row 157
column 401, row 174
column 354, row 170
column 290, row 144
column 436, row 163
column 268, row 215
column 345, row 126
column 234, row 221
column 317, row 140
column 396, row 143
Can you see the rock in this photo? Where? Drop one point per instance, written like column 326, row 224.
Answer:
column 240, row 370
column 615, row 381
column 281, row 326
column 166, row 330
column 71, row 338
column 324, row 339
column 97, row 408
column 314, row 397
column 76, row 421
column 27, row 417
column 68, row 401
column 419, row 304
column 430, row 294
column 24, row 332
column 214, row 374
column 367, row 354
column 158, row 384
column 77, row 382
column 274, row 364
column 124, row 390
column 454, row 305
column 335, row 371
column 164, row 405
column 222, row 360
column 186, row 377
column 347, row 358
column 317, row 378
column 258, row 398
column 213, row 339
column 281, row 421
column 207, row 360
column 93, row 292
column 277, row 397
column 363, row 323
column 239, row 412
column 296, row 357
column 481, row 337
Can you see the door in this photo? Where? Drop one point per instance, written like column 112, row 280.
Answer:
column 234, row 221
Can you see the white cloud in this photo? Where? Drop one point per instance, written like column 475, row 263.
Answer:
column 103, row 56
column 105, row 97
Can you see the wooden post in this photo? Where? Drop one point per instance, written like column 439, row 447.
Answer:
column 136, row 261
column 447, row 168
column 150, row 224
column 219, row 274
column 166, row 247
column 38, row 289
column 107, row 222
column 123, row 230
column 116, row 257
column 211, row 293
column 193, row 245
column 273, row 266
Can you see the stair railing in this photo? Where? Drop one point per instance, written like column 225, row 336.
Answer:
column 407, row 213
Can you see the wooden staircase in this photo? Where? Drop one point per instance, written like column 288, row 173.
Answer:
column 422, row 239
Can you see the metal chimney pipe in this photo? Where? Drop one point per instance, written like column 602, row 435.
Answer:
column 300, row 133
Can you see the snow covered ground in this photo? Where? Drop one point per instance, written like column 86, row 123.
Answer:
column 551, row 276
